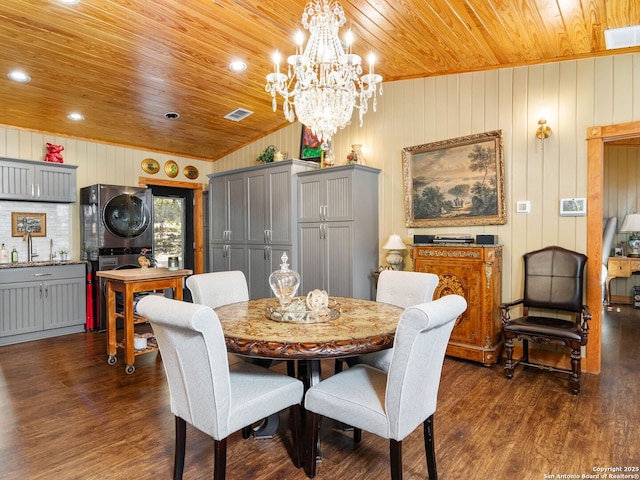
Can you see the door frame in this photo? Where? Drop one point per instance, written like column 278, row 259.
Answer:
column 198, row 238
column 596, row 138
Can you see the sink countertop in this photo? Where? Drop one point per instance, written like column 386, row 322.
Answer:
column 45, row 263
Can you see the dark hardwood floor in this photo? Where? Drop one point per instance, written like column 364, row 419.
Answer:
column 66, row 414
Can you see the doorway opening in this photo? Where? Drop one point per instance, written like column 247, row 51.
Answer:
column 192, row 192
column 173, row 214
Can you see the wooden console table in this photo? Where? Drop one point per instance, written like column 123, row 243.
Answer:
column 128, row 282
column 475, row 272
column 619, row 267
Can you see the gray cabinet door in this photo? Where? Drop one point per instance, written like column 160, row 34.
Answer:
column 21, row 308
column 311, row 257
column 326, row 195
column 55, row 184
column 280, row 211
column 257, row 216
column 16, row 180
column 227, row 205
column 326, row 258
column 218, row 210
column 235, row 186
column 64, row 303
column 338, row 262
column 225, row 257
column 263, row 260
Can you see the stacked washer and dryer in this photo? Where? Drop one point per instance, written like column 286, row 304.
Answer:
column 116, row 224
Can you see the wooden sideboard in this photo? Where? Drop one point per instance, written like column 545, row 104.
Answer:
column 619, row 267
column 475, row 272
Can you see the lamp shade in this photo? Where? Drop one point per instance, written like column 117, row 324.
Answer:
column 631, row 223
column 394, row 242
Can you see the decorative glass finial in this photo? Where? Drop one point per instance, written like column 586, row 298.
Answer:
column 284, row 282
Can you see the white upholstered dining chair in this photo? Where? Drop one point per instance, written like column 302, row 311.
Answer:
column 403, row 289
column 205, row 391
column 218, row 288
column 391, row 405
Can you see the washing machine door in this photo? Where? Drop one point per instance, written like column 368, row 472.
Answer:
column 126, row 216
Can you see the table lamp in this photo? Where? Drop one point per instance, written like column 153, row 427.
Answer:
column 631, row 225
column 395, row 246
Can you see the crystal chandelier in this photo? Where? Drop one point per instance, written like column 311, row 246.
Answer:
column 324, row 83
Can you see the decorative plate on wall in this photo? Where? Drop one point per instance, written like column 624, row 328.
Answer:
column 150, row 165
column 171, row 169
column 191, row 172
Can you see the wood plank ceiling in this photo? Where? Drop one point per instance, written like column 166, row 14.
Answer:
column 123, row 64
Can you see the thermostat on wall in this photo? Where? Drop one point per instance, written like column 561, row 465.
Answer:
column 523, row 206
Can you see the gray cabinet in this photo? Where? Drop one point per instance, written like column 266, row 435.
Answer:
column 338, row 230
column 253, row 215
column 40, row 302
column 37, row 181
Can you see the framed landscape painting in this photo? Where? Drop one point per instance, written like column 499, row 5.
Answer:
column 456, row 182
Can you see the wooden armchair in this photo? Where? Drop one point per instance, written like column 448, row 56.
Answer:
column 553, row 281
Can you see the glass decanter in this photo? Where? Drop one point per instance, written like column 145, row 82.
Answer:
column 284, row 283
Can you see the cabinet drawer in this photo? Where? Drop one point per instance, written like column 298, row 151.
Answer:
column 33, row 274
column 620, row 267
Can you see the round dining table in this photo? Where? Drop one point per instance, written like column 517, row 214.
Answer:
column 355, row 327
column 361, row 326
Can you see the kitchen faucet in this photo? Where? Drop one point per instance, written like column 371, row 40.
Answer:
column 30, row 255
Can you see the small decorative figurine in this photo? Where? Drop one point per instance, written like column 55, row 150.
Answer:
column 318, row 303
column 143, row 260
column 54, row 154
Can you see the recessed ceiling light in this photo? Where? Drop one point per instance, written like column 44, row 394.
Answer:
column 19, row 76
column 76, row 117
column 237, row 66
column 69, row 2
column 171, row 115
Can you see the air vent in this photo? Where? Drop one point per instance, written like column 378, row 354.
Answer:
column 238, row 114
column 622, row 37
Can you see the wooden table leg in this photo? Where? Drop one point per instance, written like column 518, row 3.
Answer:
column 111, row 325
column 129, row 354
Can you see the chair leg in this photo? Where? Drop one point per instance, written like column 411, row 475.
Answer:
column 357, row 435
column 246, row 432
column 508, row 366
column 430, row 448
column 395, row 456
column 181, row 440
column 313, row 422
column 219, row 459
column 295, row 413
column 574, row 379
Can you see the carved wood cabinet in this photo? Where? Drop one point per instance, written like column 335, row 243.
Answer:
column 475, row 272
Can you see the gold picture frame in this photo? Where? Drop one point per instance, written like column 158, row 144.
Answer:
column 33, row 223
column 150, row 165
column 171, row 169
column 456, row 182
column 191, row 172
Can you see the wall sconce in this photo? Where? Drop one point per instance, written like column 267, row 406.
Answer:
column 395, row 246
column 544, row 131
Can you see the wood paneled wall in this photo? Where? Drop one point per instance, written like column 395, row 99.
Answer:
column 572, row 95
